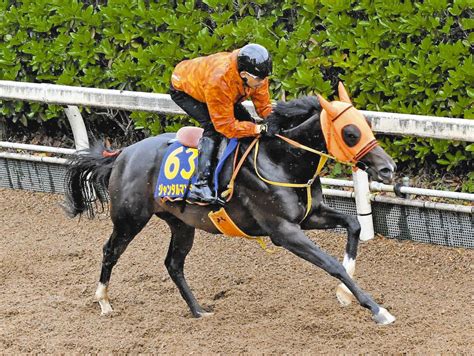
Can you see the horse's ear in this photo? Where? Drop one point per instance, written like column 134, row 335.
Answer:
column 343, row 95
column 326, row 105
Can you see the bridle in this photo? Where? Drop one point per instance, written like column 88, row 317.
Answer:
column 348, row 158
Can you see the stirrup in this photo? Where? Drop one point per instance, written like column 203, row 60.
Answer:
column 220, row 201
column 192, row 196
column 215, row 200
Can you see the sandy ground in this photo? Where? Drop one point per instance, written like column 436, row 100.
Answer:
column 263, row 303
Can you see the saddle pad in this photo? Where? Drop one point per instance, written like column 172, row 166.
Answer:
column 178, row 166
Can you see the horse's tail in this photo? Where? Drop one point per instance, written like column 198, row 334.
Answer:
column 87, row 180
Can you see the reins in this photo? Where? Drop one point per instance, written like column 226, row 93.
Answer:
column 227, row 194
column 230, row 187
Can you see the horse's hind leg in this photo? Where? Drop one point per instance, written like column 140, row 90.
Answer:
column 125, row 229
column 182, row 238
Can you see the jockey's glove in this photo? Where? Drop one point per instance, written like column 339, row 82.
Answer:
column 267, row 130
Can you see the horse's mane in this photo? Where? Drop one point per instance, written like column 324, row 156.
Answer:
column 288, row 114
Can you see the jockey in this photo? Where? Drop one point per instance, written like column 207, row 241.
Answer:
column 211, row 90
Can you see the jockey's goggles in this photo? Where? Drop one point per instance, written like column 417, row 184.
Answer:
column 256, row 77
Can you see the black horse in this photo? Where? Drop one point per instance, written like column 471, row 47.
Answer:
column 257, row 207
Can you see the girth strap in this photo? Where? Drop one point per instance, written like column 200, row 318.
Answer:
column 224, row 223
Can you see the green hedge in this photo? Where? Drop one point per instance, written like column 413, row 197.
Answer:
column 408, row 57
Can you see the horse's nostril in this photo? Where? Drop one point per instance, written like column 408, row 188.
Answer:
column 386, row 172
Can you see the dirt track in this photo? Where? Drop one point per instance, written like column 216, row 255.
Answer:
column 263, row 303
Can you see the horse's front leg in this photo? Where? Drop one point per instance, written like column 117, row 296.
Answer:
column 324, row 217
column 291, row 237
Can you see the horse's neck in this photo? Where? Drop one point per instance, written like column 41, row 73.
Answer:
column 308, row 133
column 296, row 163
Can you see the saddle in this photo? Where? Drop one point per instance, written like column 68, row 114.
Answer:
column 189, row 136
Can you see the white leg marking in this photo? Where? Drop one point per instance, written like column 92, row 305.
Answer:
column 384, row 317
column 343, row 294
column 103, row 299
column 349, row 264
column 206, row 314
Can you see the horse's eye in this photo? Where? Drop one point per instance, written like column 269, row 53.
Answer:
column 351, row 135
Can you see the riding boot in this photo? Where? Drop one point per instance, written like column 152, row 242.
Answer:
column 201, row 190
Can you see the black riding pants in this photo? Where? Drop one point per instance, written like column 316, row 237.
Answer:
column 200, row 112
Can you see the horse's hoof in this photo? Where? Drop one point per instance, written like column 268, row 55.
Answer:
column 106, row 308
column 344, row 295
column 384, row 317
column 204, row 314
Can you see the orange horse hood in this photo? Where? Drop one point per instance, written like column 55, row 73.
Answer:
column 346, row 131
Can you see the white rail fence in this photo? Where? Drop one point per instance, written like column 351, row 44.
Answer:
column 387, row 123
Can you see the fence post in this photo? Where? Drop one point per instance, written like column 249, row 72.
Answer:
column 78, row 128
column 363, row 205
column 3, row 129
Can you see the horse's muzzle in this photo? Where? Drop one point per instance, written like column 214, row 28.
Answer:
column 386, row 174
column 379, row 165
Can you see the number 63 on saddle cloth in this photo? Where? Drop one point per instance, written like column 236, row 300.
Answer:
column 177, row 170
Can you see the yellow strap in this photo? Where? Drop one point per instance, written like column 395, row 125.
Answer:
column 309, row 149
column 280, row 184
column 322, row 161
column 309, row 203
column 263, row 245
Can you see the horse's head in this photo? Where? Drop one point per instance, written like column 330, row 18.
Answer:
column 350, row 139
